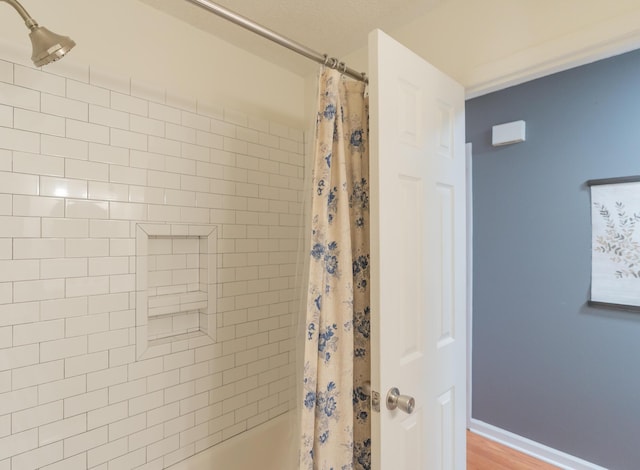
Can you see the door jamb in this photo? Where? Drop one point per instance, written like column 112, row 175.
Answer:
column 469, row 306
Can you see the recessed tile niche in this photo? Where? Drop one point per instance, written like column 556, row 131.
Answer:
column 175, row 285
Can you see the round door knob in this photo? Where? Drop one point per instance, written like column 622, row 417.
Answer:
column 402, row 402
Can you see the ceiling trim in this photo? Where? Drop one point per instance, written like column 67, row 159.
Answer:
column 605, row 40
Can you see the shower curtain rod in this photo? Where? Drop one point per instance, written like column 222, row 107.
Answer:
column 279, row 39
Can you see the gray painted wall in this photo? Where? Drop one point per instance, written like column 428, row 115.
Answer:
column 547, row 366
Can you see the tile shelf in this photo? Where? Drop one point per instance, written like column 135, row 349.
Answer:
column 175, row 284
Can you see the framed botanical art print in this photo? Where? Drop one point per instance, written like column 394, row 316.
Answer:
column 615, row 242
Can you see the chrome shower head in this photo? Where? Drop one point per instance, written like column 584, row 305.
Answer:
column 47, row 46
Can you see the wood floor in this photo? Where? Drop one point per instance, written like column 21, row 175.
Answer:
column 484, row 454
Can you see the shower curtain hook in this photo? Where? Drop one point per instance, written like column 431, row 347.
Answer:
column 326, row 59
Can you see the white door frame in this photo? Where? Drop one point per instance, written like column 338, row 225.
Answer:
column 469, row 174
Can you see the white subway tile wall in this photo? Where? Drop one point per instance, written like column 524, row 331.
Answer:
column 81, row 163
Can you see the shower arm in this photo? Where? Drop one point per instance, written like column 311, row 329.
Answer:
column 28, row 21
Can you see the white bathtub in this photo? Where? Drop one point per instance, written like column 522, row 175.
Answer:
column 265, row 447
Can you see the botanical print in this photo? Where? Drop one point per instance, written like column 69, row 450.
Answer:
column 616, row 243
column 336, row 429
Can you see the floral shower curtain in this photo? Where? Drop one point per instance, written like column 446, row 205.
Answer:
column 336, row 429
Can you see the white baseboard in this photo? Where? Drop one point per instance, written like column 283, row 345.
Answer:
column 532, row 448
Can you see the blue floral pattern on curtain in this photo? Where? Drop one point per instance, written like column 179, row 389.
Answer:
column 336, row 428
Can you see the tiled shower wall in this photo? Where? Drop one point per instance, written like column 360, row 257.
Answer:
column 82, row 160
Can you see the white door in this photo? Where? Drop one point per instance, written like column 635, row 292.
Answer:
column 418, row 259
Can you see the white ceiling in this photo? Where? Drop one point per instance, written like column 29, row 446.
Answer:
column 458, row 36
column 333, row 27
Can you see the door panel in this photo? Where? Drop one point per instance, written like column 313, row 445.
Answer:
column 418, row 259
